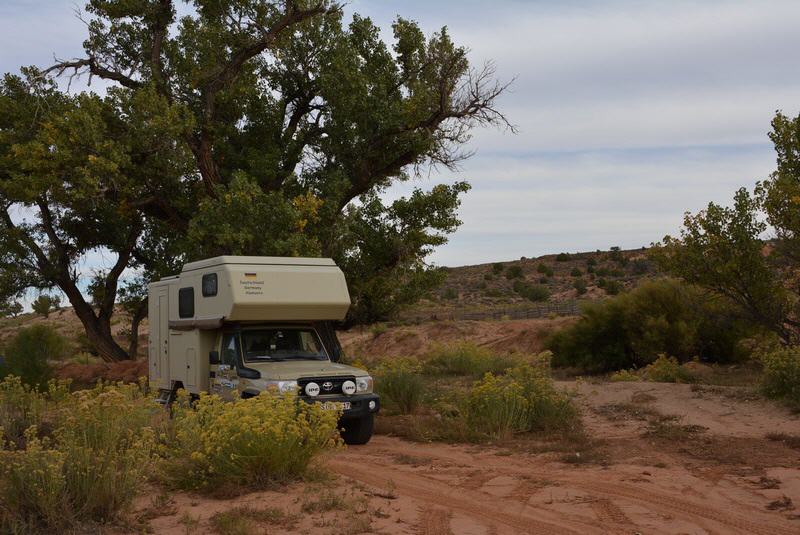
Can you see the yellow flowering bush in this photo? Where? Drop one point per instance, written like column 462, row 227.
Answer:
column 624, row 376
column 496, row 407
column 89, row 467
column 248, row 443
column 523, row 400
column 667, row 370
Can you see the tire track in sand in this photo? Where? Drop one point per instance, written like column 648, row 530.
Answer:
column 490, row 510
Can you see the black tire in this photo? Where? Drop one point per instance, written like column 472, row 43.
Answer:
column 358, row 431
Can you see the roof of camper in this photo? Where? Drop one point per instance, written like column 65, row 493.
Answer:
column 257, row 261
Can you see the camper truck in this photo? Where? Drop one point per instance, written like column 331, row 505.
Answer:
column 236, row 326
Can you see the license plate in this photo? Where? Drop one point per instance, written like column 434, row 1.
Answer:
column 335, row 405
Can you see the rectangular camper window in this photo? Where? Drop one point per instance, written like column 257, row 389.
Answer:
column 209, row 285
column 186, row 302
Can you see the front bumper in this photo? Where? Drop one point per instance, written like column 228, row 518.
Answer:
column 359, row 404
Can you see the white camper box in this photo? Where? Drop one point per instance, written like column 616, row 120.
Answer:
column 187, row 311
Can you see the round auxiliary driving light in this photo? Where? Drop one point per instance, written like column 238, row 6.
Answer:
column 372, row 405
column 312, row 389
column 349, row 387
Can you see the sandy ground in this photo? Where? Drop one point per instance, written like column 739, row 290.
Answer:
column 712, row 470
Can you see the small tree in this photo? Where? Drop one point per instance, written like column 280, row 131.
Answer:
column 28, row 353
column 497, row 268
column 10, row 308
column 44, row 304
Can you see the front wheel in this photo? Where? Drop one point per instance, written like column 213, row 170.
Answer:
column 359, row 430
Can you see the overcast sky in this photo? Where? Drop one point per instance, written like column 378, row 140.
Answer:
column 629, row 112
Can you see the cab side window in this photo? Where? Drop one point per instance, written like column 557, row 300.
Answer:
column 230, row 350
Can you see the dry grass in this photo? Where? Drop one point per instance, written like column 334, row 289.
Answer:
column 247, row 520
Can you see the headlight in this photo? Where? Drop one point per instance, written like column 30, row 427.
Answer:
column 284, row 387
column 364, row 384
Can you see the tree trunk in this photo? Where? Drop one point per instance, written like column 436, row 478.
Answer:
column 97, row 331
column 136, row 318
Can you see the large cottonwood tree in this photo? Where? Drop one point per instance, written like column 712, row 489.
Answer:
column 295, row 121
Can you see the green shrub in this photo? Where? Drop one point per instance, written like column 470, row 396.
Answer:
column 450, row 293
column 28, row 353
column 400, row 381
column 494, row 292
column 666, row 370
column 497, row 268
column 543, row 280
column 563, row 257
column 488, row 277
column 576, row 272
column 612, row 287
column 662, row 316
column 603, row 272
column 781, row 376
column 514, row 272
column 378, row 329
column 580, row 286
column 531, row 292
column 466, row 359
column 590, row 262
column 590, row 269
column 542, row 268
column 248, row 443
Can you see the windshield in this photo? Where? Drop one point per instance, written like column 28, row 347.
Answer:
column 282, row 343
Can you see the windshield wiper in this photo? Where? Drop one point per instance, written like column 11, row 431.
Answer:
column 267, row 357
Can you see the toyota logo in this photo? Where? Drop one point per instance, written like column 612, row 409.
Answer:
column 327, row 386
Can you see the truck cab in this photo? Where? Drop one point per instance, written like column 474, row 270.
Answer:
column 238, row 326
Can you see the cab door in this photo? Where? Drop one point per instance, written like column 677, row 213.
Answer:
column 225, row 380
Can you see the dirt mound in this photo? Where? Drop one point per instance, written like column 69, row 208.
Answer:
column 524, row 336
column 128, row 371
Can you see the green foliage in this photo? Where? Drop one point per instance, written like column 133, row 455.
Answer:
column 10, row 308
column 531, row 291
column 497, row 268
column 612, row 287
column 666, row 370
column 450, row 293
column 250, row 443
column 400, row 381
column 44, row 304
column 576, row 272
column 494, row 292
column 662, row 316
column 466, row 359
column 580, row 286
column 27, row 354
column 591, row 262
column 616, row 255
column 721, row 248
column 781, row 376
column 563, row 257
column 488, row 277
column 514, row 272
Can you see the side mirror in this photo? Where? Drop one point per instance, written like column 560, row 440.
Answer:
column 213, row 358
